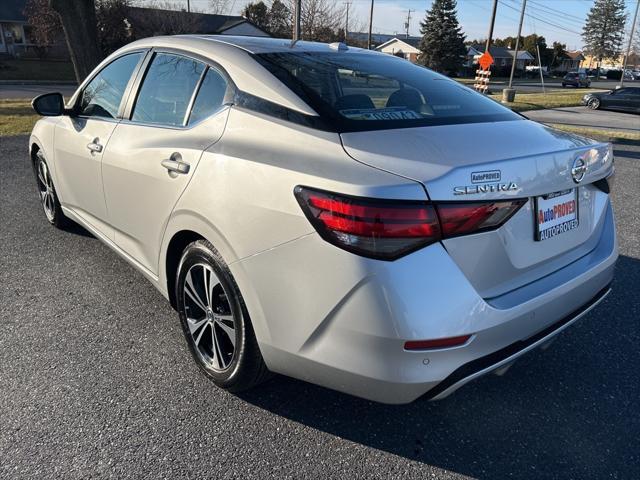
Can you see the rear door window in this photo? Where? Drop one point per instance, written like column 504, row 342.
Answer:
column 168, row 86
column 210, row 96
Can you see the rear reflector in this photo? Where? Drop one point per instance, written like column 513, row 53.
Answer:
column 436, row 343
column 388, row 229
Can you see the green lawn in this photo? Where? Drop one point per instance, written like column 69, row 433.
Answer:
column 16, row 117
column 600, row 133
column 36, row 70
column 537, row 101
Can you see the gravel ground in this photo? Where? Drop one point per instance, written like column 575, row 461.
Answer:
column 96, row 381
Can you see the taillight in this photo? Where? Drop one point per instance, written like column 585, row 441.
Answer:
column 383, row 229
column 389, row 229
column 463, row 218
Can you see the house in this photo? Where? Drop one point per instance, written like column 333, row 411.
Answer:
column 405, row 47
column 570, row 61
column 502, row 56
column 15, row 38
column 204, row 23
column 13, row 28
column 612, row 63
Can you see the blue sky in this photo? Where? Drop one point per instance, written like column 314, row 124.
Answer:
column 557, row 20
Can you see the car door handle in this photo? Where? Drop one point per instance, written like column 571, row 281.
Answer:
column 94, row 146
column 175, row 164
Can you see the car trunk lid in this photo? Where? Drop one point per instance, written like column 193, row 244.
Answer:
column 502, row 160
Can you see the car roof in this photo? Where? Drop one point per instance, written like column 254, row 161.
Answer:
column 235, row 55
column 270, row 45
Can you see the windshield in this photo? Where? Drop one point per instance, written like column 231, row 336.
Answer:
column 364, row 91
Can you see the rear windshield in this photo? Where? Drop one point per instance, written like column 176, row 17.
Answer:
column 364, row 91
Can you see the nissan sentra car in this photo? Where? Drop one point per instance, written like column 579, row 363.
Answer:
column 333, row 214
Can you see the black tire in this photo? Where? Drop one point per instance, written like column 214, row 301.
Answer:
column 47, row 193
column 245, row 368
column 564, row 86
column 593, row 104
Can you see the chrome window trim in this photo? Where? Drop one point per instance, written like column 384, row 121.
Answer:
column 223, row 107
column 192, row 100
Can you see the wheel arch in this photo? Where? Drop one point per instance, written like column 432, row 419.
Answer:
column 183, row 228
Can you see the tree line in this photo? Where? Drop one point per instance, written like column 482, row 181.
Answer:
column 95, row 28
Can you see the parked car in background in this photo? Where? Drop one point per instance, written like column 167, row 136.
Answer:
column 326, row 212
column 576, row 79
column 625, row 99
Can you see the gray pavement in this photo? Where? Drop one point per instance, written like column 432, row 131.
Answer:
column 585, row 117
column 534, row 85
column 96, row 381
column 13, row 91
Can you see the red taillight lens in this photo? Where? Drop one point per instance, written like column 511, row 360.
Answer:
column 389, row 229
column 463, row 218
column 436, row 343
column 384, row 229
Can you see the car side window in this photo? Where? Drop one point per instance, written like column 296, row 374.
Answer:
column 167, row 89
column 210, row 96
column 102, row 95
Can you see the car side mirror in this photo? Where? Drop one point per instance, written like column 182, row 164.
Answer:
column 48, row 104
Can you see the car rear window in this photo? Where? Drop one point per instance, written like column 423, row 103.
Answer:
column 365, row 91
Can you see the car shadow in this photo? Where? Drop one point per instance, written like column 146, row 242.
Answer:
column 567, row 412
column 77, row 229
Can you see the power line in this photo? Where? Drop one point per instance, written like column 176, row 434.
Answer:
column 542, row 20
column 553, row 10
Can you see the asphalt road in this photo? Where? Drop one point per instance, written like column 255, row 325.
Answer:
column 535, row 86
column 13, row 91
column 585, row 117
column 96, row 381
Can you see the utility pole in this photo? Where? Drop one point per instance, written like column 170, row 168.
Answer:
column 188, row 6
column 515, row 56
column 370, row 25
column 297, row 13
column 626, row 57
column 540, row 67
column 346, row 23
column 493, row 22
column 407, row 23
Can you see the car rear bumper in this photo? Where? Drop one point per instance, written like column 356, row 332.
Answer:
column 341, row 321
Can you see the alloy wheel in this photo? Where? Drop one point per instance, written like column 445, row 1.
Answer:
column 594, row 103
column 45, row 187
column 210, row 319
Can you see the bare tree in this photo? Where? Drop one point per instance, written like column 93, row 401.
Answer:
column 219, row 7
column 78, row 18
column 322, row 20
column 45, row 25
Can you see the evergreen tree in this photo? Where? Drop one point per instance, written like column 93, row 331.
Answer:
column 604, row 31
column 258, row 14
column 280, row 20
column 442, row 45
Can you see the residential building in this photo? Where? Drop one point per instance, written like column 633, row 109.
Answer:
column 405, row 47
column 15, row 38
column 570, row 61
column 502, row 56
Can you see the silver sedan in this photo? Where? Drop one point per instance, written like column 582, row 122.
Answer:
column 330, row 213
